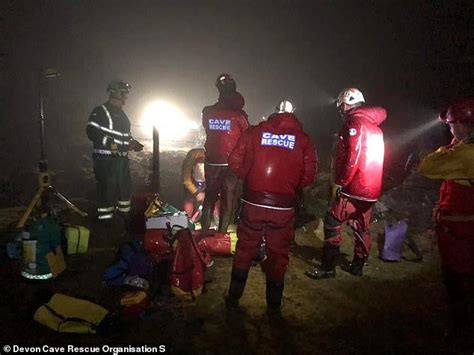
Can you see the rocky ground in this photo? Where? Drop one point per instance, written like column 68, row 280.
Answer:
column 394, row 308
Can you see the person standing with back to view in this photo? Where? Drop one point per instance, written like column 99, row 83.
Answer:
column 274, row 159
column 224, row 123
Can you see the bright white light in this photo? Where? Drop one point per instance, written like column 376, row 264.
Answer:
column 375, row 148
column 172, row 124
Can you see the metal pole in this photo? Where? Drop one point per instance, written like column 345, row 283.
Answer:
column 41, row 118
column 156, row 160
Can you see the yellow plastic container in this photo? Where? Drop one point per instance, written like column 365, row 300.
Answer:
column 132, row 298
column 77, row 239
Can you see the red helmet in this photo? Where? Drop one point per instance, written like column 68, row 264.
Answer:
column 225, row 83
column 460, row 111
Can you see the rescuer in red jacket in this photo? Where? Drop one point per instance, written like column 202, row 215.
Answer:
column 273, row 159
column 358, row 168
column 224, row 123
column 454, row 215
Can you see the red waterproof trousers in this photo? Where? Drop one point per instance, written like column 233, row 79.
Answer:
column 357, row 214
column 456, row 245
column 278, row 228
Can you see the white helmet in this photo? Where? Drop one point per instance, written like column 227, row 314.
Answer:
column 285, row 106
column 350, row 96
column 136, row 282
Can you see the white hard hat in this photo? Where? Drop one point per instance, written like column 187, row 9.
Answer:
column 350, row 96
column 285, row 106
column 136, row 282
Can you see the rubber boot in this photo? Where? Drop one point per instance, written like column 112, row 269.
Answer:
column 236, row 289
column 355, row 267
column 327, row 270
column 456, row 288
column 126, row 223
column 274, row 294
column 206, row 216
column 224, row 221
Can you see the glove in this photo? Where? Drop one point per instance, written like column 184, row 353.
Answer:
column 336, row 190
column 436, row 214
column 200, row 196
column 136, row 146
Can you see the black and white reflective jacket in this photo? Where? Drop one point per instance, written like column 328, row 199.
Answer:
column 109, row 130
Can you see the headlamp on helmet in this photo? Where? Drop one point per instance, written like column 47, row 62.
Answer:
column 350, row 96
column 461, row 111
column 225, row 83
column 118, row 87
column 285, row 106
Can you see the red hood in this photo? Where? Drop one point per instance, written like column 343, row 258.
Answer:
column 284, row 121
column 234, row 101
column 374, row 114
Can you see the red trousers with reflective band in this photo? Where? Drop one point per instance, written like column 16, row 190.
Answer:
column 456, row 245
column 357, row 214
column 278, row 228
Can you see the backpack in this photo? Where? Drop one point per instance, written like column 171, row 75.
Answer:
column 133, row 261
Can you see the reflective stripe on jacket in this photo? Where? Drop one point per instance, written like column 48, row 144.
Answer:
column 109, row 130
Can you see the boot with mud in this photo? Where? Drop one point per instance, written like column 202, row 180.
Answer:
column 355, row 267
column 327, row 270
column 274, row 294
column 236, row 289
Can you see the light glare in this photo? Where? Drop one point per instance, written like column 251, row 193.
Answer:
column 171, row 122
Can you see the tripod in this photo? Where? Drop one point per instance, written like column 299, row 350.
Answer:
column 44, row 175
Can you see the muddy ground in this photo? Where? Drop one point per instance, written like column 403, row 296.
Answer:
column 394, row 308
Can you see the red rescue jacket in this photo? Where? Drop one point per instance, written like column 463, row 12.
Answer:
column 360, row 153
column 456, row 199
column 274, row 159
column 224, row 123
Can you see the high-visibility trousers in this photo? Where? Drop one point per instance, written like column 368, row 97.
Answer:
column 113, row 184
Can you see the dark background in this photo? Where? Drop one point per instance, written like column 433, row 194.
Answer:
column 411, row 57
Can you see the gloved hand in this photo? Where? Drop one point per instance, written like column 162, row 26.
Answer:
column 200, row 196
column 436, row 214
column 135, row 145
column 335, row 190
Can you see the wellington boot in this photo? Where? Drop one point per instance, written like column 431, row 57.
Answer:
column 328, row 264
column 320, row 274
column 355, row 267
column 236, row 288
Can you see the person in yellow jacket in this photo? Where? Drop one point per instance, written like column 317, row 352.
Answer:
column 454, row 214
column 194, row 183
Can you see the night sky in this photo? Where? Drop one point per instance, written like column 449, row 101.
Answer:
column 411, row 57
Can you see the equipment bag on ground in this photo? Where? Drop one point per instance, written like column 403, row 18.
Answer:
column 218, row 243
column 187, row 271
column 394, row 239
column 44, row 237
column 67, row 314
column 77, row 239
